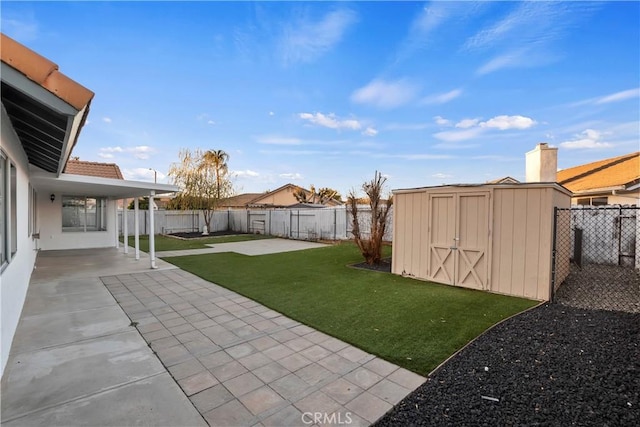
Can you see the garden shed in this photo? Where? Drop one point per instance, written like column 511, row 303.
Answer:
column 492, row 237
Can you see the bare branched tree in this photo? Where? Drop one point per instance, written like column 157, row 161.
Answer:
column 371, row 248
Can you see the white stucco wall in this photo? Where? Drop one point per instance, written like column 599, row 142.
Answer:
column 626, row 199
column 14, row 280
column 50, row 225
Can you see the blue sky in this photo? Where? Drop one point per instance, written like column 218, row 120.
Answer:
column 326, row 93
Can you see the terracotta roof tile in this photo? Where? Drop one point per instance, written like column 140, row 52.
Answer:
column 43, row 72
column 614, row 172
column 101, row 170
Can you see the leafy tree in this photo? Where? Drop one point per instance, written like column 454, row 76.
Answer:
column 371, row 248
column 143, row 203
column 203, row 177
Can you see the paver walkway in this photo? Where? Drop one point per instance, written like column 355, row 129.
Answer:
column 250, row 247
column 243, row 364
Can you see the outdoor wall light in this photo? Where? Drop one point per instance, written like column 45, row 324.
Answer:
column 52, row 197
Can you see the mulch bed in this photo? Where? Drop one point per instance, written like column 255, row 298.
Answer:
column 198, row 234
column 384, row 266
column 553, row 365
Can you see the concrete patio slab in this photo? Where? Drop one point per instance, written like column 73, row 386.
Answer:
column 76, row 359
column 151, row 401
column 250, row 248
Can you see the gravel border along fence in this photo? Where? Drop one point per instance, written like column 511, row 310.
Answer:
column 552, row 365
column 601, row 287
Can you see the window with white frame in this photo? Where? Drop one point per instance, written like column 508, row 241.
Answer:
column 8, row 210
column 82, row 214
column 3, row 209
column 13, row 189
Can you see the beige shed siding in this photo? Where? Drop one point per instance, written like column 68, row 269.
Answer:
column 521, row 242
column 504, row 236
column 410, row 248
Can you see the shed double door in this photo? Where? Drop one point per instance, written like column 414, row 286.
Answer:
column 458, row 239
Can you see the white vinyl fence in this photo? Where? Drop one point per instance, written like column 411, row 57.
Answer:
column 299, row 224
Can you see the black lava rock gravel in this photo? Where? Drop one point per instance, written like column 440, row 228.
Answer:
column 553, row 365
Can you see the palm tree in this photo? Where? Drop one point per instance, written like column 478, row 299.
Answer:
column 218, row 159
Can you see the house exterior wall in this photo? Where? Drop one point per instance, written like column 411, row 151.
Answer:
column 510, row 241
column 14, row 279
column 283, row 197
column 53, row 238
column 631, row 198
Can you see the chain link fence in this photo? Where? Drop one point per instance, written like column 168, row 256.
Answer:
column 597, row 257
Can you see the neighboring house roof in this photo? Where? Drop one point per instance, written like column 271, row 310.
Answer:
column 103, row 170
column 241, row 200
column 615, row 173
column 505, row 180
column 46, row 108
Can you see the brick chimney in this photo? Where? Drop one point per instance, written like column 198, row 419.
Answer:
column 542, row 164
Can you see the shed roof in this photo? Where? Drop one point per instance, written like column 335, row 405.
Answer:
column 480, row 186
column 621, row 171
column 103, row 170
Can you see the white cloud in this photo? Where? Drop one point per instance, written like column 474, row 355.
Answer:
column 211, row 122
column 23, row 28
column 441, row 175
column 407, row 126
column 619, row 96
column 587, row 139
column 467, row 123
column 142, row 174
column 423, row 29
column 442, row 121
column 141, row 152
column 442, row 98
column 291, row 176
column 106, row 119
column 385, row 94
column 271, row 113
column 509, row 122
column 245, row 174
column 458, row 135
column 278, row 140
column 472, row 128
column 370, row 132
column 330, row 121
column 305, row 41
column 525, row 36
column 505, row 60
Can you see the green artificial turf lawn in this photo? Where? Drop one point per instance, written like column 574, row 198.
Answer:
column 408, row 322
column 164, row 243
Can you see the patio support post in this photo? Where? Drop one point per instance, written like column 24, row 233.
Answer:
column 125, row 225
column 136, row 227
column 152, row 240
column 115, row 227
